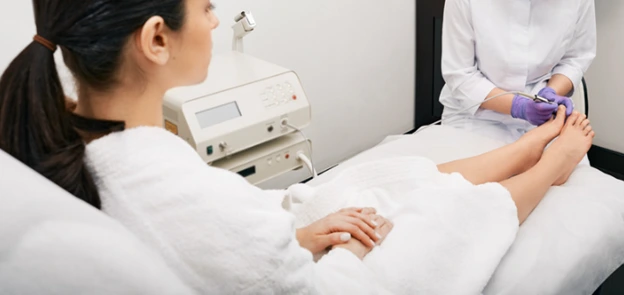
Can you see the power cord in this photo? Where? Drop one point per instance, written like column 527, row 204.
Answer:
column 301, row 156
column 537, row 99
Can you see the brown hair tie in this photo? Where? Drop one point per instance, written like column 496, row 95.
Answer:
column 45, row 42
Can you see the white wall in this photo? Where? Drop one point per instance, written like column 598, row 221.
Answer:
column 355, row 58
column 606, row 75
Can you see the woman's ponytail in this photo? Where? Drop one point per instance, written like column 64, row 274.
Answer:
column 36, row 126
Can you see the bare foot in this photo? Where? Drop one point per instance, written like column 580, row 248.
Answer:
column 536, row 140
column 575, row 140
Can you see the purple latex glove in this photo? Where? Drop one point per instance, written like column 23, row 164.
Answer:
column 536, row 113
column 550, row 94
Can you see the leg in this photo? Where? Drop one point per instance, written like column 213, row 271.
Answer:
column 528, row 189
column 494, row 166
column 584, row 124
column 558, row 162
column 510, row 160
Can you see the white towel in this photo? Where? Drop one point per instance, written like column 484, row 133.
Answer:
column 225, row 236
column 449, row 235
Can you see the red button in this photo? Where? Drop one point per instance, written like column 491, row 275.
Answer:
column 287, row 156
column 294, row 97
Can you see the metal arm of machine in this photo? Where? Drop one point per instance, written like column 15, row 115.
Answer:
column 244, row 25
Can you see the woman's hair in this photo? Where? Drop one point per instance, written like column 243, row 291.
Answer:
column 36, row 127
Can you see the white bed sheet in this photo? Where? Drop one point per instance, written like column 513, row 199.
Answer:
column 569, row 245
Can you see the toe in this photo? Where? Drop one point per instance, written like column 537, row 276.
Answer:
column 572, row 119
column 561, row 115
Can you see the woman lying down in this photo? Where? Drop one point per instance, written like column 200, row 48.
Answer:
column 434, row 230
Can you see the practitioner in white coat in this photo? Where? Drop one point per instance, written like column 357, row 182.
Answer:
column 434, row 229
column 535, row 46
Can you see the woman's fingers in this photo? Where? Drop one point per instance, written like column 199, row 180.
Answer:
column 336, row 239
column 365, row 211
column 350, row 209
column 365, row 227
column 362, row 224
column 364, row 217
column 384, row 228
column 329, row 240
column 368, row 211
column 350, row 225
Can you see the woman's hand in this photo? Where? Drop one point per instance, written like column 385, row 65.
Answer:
column 360, row 250
column 339, row 228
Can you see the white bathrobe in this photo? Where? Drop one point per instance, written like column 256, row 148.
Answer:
column 222, row 235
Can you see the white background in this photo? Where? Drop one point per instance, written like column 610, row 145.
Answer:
column 354, row 57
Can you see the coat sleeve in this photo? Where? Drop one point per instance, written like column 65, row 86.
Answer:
column 582, row 49
column 467, row 83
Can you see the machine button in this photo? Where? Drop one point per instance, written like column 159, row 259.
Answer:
column 270, row 162
column 270, row 128
column 209, row 150
column 278, row 159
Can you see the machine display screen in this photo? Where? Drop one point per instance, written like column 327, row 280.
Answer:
column 216, row 115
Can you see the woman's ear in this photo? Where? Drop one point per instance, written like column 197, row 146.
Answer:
column 153, row 40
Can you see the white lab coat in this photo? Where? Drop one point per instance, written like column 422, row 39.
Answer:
column 515, row 45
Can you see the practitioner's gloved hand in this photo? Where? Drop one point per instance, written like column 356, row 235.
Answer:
column 338, row 228
column 551, row 94
column 360, row 250
column 536, row 113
